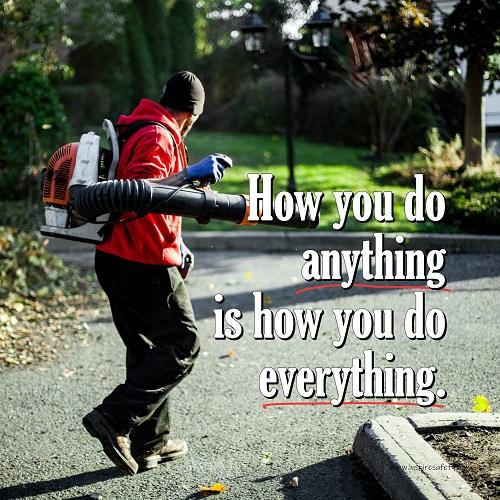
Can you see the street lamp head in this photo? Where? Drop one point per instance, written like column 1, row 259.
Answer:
column 253, row 29
column 320, row 25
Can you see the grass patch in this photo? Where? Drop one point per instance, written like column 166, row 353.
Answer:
column 319, row 168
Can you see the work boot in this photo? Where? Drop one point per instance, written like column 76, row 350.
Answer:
column 173, row 449
column 116, row 446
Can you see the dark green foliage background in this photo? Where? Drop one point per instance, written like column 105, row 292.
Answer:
column 102, row 86
column 111, row 77
column 153, row 14
column 140, row 57
column 182, row 36
column 32, row 123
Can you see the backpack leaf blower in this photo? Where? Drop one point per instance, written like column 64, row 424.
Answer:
column 81, row 196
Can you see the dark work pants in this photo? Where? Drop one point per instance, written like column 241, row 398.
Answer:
column 154, row 317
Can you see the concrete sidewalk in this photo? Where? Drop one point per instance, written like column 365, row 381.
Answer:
column 292, row 241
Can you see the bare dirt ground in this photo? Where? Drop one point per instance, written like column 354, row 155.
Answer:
column 475, row 454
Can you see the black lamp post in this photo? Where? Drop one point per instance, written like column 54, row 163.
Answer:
column 254, row 29
column 320, row 25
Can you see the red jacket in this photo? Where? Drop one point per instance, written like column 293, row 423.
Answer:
column 151, row 152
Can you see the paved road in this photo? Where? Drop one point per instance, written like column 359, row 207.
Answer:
column 45, row 452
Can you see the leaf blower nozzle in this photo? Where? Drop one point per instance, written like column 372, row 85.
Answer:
column 142, row 197
column 78, row 207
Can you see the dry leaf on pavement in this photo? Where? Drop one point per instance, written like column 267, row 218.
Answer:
column 215, row 489
column 481, row 404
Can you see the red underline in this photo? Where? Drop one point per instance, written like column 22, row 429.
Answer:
column 353, row 403
column 363, row 285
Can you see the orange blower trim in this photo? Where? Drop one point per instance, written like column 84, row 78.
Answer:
column 245, row 221
column 58, row 175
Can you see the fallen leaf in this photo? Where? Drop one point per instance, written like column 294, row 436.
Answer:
column 230, row 354
column 248, row 276
column 294, row 482
column 215, row 489
column 267, row 457
column 481, row 404
column 268, row 300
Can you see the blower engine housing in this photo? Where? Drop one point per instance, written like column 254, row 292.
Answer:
column 80, row 163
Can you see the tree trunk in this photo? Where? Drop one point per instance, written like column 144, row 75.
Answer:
column 7, row 56
column 474, row 112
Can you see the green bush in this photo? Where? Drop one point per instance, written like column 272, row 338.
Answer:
column 440, row 162
column 481, row 181
column 474, row 201
column 475, row 210
column 32, row 126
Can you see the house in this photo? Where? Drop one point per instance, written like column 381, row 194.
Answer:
column 491, row 101
column 360, row 55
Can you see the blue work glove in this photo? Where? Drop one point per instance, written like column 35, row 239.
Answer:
column 187, row 260
column 210, row 169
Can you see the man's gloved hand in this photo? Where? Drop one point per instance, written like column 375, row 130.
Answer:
column 210, row 169
column 187, row 260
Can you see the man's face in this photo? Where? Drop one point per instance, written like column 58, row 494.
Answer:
column 188, row 123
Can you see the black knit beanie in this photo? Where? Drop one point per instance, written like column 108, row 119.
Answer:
column 184, row 92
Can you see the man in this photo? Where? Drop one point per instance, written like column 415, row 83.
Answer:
column 137, row 267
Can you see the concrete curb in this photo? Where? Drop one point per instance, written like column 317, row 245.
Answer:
column 423, row 422
column 283, row 241
column 293, row 241
column 406, row 466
